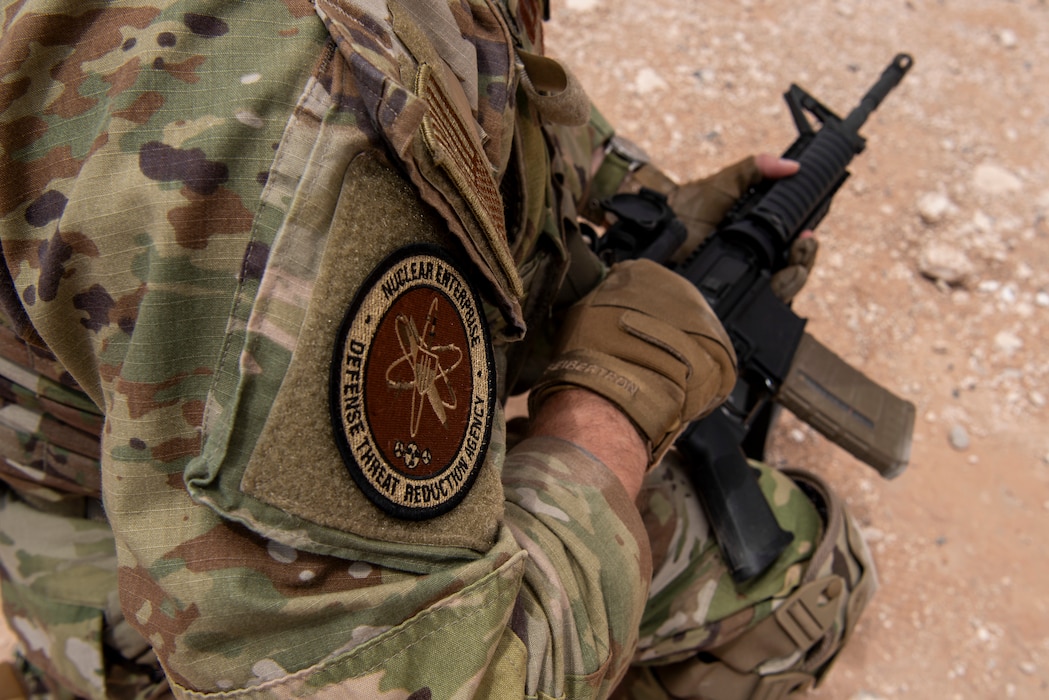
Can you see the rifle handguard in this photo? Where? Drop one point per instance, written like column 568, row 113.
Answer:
column 646, row 340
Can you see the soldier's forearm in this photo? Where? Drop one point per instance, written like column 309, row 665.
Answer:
column 597, row 426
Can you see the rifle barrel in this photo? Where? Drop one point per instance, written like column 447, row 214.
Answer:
column 889, row 79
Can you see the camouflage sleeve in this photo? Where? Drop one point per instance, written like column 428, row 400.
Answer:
column 581, row 154
column 598, row 162
column 589, row 566
column 171, row 180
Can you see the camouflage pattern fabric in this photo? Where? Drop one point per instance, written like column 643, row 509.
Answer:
column 704, row 636
column 169, row 176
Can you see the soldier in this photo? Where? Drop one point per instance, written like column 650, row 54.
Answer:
column 272, row 270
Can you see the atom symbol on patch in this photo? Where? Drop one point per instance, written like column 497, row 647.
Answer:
column 427, row 366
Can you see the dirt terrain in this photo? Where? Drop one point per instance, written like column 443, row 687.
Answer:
column 933, row 278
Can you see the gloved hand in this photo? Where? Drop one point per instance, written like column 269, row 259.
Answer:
column 646, row 340
column 702, row 204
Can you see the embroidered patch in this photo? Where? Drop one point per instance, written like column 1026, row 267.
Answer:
column 457, row 149
column 413, row 384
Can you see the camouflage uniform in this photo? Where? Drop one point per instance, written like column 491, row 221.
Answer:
column 192, row 194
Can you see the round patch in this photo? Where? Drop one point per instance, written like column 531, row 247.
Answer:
column 413, row 384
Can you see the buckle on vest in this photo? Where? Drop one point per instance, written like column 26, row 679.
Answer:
column 810, row 612
column 780, row 685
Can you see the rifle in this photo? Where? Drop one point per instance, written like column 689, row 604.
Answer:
column 778, row 361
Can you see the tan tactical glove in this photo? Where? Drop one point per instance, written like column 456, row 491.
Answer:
column 702, row 204
column 646, row 340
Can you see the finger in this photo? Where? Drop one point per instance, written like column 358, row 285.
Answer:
column 788, row 282
column 775, row 167
column 803, row 252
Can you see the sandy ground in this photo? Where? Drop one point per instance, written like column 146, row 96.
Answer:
column 953, row 182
